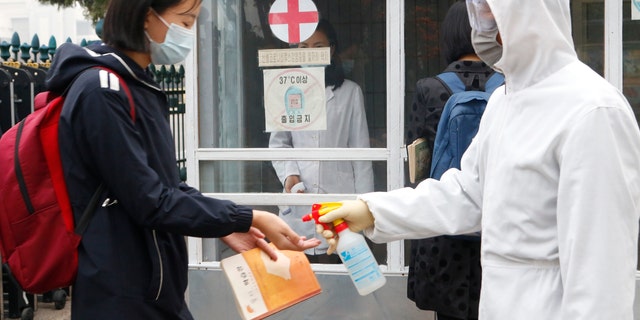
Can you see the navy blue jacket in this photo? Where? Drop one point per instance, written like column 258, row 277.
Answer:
column 133, row 255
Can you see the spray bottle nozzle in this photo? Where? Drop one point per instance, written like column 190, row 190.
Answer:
column 320, row 209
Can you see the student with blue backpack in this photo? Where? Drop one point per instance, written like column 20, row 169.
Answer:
column 444, row 272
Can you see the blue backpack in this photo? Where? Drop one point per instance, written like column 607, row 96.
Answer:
column 459, row 123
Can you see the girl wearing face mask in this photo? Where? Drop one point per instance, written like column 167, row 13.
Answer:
column 114, row 132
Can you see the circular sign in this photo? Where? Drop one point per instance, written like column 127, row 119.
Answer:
column 295, row 99
column 293, row 21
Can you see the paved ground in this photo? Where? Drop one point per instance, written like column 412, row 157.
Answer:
column 46, row 311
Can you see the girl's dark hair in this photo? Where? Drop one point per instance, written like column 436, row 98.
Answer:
column 124, row 22
column 333, row 74
column 455, row 33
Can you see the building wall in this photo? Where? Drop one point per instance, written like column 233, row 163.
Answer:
column 29, row 17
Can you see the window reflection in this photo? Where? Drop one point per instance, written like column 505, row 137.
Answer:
column 631, row 64
column 631, row 58
column 231, row 97
column 588, row 29
column 346, row 127
column 259, row 177
column 588, row 33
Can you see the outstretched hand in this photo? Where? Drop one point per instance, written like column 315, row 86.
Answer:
column 279, row 232
column 355, row 212
column 254, row 238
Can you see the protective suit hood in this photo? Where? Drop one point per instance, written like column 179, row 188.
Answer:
column 536, row 39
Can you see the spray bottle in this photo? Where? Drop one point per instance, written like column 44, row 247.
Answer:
column 353, row 251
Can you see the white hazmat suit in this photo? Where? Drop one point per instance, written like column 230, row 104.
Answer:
column 552, row 179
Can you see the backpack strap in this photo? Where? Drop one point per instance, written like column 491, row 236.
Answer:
column 496, row 80
column 451, row 82
column 90, row 210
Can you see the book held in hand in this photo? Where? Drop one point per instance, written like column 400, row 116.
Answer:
column 419, row 155
column 262, row 287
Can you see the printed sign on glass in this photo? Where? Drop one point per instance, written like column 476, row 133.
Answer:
column 294, row 99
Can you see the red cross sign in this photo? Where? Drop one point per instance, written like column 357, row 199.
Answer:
column 293, row 21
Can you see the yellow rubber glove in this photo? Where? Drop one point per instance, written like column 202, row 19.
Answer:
column 355, row 212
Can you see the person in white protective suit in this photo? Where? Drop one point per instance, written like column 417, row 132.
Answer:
column 551, row 179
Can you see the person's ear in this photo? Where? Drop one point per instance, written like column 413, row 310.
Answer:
column 147, row 18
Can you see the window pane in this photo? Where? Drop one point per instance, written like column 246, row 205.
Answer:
column 261, row 177
column 588, row 32
column 231, row 110
column 231, row 113
column 231, row 93
column 423, row 57
column 422, row 43
column 631, row 58
column 631, row 64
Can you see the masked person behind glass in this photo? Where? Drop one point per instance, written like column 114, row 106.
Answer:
column 346, row 128
column 551, row 179
column 133, row 256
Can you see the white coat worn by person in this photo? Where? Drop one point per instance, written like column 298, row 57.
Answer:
column 551, row 179
column 346, row 128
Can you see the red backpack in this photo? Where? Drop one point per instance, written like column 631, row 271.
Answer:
column 38, row 239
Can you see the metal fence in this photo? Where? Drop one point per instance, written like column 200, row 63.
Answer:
column 23, row 69
column 171, row 80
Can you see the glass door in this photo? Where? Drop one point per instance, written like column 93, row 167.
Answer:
column 233, row 156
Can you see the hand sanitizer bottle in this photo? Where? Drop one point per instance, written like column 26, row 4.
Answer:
column 359, row 260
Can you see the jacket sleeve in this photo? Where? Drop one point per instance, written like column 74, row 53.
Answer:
column 451, row 205
column 598, row 198
column 114, row 149
column 359, row 138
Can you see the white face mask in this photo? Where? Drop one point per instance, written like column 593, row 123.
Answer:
column 484, row 32
column 487, row 46
column 177, row 44
column 347, row 66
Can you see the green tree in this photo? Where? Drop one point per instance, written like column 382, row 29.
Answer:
column 93, row 9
